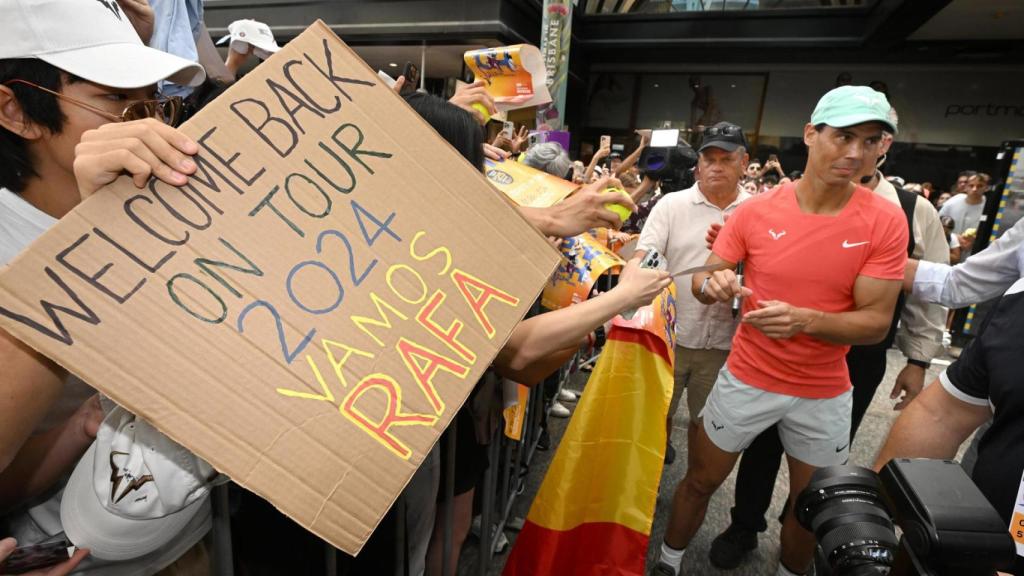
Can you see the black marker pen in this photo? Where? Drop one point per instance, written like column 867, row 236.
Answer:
column 736, row 299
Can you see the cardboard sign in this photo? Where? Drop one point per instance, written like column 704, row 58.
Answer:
column 527, row 186
column 312, row 309
column 515, row 75
column 584, row 259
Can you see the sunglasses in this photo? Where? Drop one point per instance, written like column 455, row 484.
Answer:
column 724, row 131
column 166, row 109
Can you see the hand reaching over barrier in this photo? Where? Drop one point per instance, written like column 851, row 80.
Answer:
column 539, row 345
column 584, row 209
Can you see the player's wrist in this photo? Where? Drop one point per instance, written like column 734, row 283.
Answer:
column 808, row 318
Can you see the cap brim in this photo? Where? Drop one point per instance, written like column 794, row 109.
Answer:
column 727, row 146
column 854, row 119
column 108, row 536
column 266, row 46
column 126, row 66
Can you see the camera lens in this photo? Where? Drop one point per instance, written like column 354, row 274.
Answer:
column 843, row 507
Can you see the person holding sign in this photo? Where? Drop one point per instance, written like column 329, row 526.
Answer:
column 78, row 108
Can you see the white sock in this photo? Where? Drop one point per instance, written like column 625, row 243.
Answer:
column 783, row 571
column 671, row 557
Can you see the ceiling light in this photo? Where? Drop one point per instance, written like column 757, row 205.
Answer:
column 393, row 64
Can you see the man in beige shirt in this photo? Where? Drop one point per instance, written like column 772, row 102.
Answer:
column 676, row 229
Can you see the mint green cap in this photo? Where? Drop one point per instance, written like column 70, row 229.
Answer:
column 851, row 105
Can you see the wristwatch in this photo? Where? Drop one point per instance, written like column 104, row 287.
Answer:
column 919, row 363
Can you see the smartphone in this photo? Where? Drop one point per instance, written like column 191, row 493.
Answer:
column 28, row 558
column 773, row 158
column 606, row 141
column 509, row 130
column 412, row 78
column 651, row 260
column 386, row 79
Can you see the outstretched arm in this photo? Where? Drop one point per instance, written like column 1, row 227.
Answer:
column 538, row 345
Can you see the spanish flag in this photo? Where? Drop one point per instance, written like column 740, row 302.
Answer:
column 594, row 510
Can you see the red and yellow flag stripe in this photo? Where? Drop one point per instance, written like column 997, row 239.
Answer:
column 594, row 510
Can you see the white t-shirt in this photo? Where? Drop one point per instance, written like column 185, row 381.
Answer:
column 965, row 216
column 39, row 521
column 676, row 229
column 20, row 224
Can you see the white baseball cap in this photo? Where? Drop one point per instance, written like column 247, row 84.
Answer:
column 245, row 33
column 133, row 491
column 91, row 39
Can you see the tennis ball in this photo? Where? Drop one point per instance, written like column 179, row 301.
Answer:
column 483, row 110
column 623, row 212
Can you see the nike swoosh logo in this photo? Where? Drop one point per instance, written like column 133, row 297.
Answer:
column 716, row 426
column 841, row 448
column 846, row 243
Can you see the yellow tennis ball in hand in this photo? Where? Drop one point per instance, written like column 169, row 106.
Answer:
column 623, row 212
column 483, row 110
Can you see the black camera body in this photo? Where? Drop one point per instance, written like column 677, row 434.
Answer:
column 949, row 527
column 671, row 165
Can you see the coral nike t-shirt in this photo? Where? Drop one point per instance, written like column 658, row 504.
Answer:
column 808, row 261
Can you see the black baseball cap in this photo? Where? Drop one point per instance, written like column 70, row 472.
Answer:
column 724, row 135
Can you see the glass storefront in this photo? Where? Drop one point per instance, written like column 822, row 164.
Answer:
column 670, row 6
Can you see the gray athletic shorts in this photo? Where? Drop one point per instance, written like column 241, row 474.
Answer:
column 813, row 430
